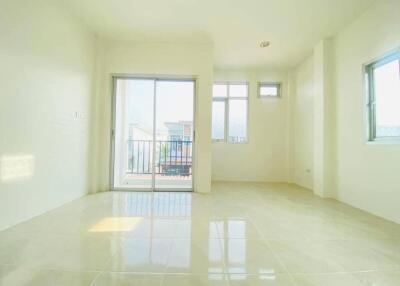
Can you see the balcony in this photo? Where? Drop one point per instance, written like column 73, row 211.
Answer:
column 172, row 158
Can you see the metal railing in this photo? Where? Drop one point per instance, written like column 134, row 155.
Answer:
column 171, row 157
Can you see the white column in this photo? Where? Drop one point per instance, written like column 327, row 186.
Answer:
column 323, row 112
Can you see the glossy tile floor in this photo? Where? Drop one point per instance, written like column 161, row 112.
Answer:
column 241, row 234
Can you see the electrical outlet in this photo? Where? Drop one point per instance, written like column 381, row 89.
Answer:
column 77, row 115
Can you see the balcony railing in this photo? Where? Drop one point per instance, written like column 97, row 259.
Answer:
column 171, row 157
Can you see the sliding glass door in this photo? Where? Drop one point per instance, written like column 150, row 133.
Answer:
column 153, row 134
column 174, row 134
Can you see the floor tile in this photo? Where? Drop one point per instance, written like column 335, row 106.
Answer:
column 244, row 256
column 236, row 227
column 196, row 256
column 355, row 256
column 195, row 280
column 279, row 229
column 15, row 276
column 267, row 279
column 382, row 278
column 127, row 279
column 327, row 280
column 141, row 255
column 306, row 257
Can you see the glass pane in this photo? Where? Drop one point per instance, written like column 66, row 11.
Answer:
column 220, row 90
column 238, row 90
column 387, row 97
column 133, row 133
column 268, row 90
column 218, row 120
column 174, row 134
column 237, row 120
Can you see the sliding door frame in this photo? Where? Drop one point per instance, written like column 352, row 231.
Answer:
column 155, row 78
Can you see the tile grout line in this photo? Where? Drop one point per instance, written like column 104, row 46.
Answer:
column 276, row 256
column 96, row 277
column 167, row 261
column 103, row 270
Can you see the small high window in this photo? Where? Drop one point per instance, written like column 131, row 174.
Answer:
column 268, row 89
column 383, row 97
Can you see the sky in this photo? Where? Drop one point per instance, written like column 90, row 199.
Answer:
column 387, row 93
column 387, row 97
column 174, row 102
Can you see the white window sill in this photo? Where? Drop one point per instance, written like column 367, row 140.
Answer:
column 386, row 141
column 230, row 143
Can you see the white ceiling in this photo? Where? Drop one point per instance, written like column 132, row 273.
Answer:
column 235, row 27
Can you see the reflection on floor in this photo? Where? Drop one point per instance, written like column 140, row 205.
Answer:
column 144, row 181
column 241, row 234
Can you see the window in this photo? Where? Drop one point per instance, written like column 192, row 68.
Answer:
column 229, row 112
column 383, row 97
column 269, row 89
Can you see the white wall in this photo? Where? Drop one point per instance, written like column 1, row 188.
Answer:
column 155, row 59
column 302, row 122
column 265, row 156
column 367, row 174
column 45, row 77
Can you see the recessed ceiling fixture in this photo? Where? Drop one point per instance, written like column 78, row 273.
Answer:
column 264, row 44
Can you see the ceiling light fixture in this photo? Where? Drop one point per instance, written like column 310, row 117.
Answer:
column 264, row 44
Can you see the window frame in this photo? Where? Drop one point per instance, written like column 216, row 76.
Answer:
column 369, row 87
column 269, row 84
column 226, row 115
column 225, row 102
